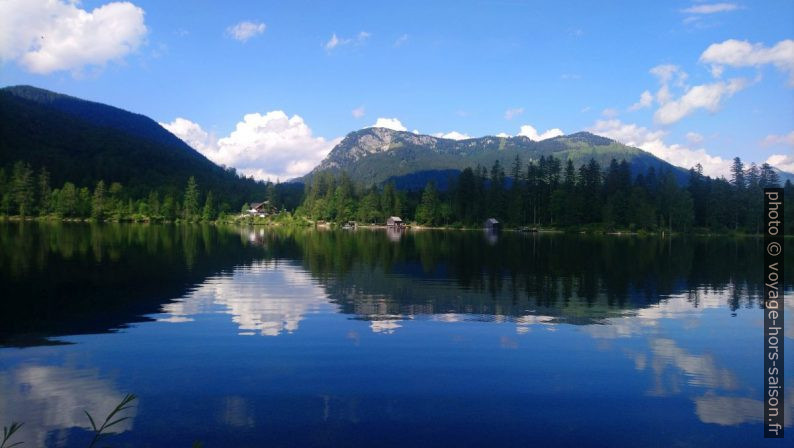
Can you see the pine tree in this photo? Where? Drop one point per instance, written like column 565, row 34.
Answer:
column 44, row 193
column 115, row 203
column 168, row 209
column 208, row 214
column 737, row 174
column 769, row 177
column 98, row 202
column 428, row 211
column 191, row 202
column 22, row 190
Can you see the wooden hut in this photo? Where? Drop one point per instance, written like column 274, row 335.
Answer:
column 493, row 225
column 395, row 221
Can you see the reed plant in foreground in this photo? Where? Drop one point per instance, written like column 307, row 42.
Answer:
column 9, row 431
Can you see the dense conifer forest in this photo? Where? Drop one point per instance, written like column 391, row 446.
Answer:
column 547, row 193
column 551, row 193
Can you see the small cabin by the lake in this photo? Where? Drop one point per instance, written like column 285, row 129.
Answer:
column 395, row 221
column 261, row 209
column 493, row 225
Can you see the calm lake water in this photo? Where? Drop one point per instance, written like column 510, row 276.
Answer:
column 287, row 338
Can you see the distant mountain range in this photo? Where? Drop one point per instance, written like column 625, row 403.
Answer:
column 83, row 142
column 375, row 155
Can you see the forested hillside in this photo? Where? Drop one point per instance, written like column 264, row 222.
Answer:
column 84, row 142
column 60, row 154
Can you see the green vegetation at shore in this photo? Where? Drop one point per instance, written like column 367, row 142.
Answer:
column 547, row 194
column 552, row 194
column 26, row 194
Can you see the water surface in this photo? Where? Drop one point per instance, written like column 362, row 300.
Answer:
column 276, row 337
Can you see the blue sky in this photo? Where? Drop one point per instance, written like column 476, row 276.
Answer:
column 474, row 68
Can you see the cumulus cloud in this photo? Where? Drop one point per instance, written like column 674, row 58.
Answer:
column 358, row 112
column 453, row 135
column 44, row 36
column 710, row 8
column 532, row 133
column 704, row 96
column 512, row 113
column 741, row 53
column 776, row 140
column 782, row 162
column 646, row 99
column 192, row 134
column 245, row 30
column 652, row 142
column 389, row 123
column 270, row 146
column 336, row 41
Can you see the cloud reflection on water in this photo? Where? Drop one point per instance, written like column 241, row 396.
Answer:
column 52, row 399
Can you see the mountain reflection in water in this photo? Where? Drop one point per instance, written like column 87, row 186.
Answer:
column 360, row 335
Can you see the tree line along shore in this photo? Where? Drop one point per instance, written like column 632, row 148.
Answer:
column 540, row 194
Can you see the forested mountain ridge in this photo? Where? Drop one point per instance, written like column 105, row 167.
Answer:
column 84, row 142
column 373, row 155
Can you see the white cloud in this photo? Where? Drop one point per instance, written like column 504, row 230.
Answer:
column 529, row 131
column 694, row 137
column 270, row 146
column 704, row 96
column 245, row 30
column 503, row 135
column 401, row 40
column 336, row 41
column 775, row 140
column 192, row 134
column 665, row 73
column 389, row 123
column 651, row 141
column 738, row 53
column 358, row 112
column 44, row 36
column 710, row 8
column 512, row 113
column 782, row 162
column 646, row 99
column 454, row 135
column 332, row 42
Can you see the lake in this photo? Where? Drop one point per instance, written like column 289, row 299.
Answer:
column 293, row 337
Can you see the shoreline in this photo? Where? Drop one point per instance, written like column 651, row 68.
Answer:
column 334, row 226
